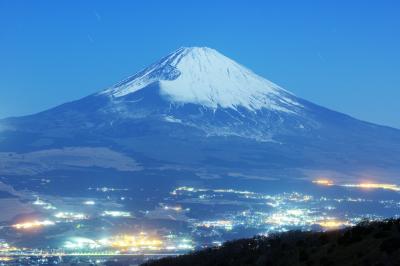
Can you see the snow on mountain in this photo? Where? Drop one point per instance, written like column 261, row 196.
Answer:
column 201, row 75
column 198, row 108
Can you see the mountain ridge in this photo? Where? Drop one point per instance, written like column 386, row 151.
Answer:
column 196, row 135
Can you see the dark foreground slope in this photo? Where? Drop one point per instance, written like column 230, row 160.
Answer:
column 375, row 243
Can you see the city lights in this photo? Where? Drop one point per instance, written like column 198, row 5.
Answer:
column 365, row 185
column 5, row 259
column 225, row 224
column 39, row 202
column 128, row 243
column 6, row 247
column 81, row 243
column 45, row 205
column 108, row 189
column 323, row 182
column 291, row 217
column 374, row 186
column 32, row 224
column 116, row 214
column 332, row 224
column 136, row 242
column 70, row 216
column 251, row 211
column 174, row 208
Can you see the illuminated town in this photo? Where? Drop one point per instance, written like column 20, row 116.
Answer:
column 186, row 219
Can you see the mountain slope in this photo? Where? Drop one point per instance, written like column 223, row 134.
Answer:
column 197, row 109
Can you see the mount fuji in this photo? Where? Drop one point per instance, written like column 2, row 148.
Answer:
column 198, row 112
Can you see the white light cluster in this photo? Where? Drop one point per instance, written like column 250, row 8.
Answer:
column 71, row 216
column 45, row 205
column 225, row 224
column 32, row 224
column 116, row 214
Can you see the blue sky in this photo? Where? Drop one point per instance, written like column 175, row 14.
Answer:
column 344, row 55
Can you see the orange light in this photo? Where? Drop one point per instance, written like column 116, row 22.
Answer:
column 323, row 182
column 331, row 224
column 32, row 224
column 136, row 242
column 375, row 186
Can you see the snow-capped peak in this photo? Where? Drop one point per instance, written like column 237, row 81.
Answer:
column 201, row 75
